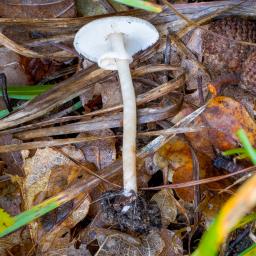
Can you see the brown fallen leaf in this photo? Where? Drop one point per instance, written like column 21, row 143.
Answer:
column 115, row 243
column 173, row 244
column 225, row 117
column 11, row 66
column 48, row 172
column 59, row 235
column 211, row 205
column 17, row 243
column 178, row 154
column 13, row 160
column 166, row 203
column 100, row 152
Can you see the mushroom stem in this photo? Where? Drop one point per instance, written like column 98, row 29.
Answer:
column 129, row 113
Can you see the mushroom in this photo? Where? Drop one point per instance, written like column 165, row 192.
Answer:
column 111, row 42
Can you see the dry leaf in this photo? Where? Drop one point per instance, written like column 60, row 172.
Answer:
column 173, row 244
column 13, row 160
column 11, row 66
column 100, row 152
column 115, row 243
column 177, row 152
column 39, row 168
column 166, row 203
column 110, row 92
column 225, row 117
column 17, row 243
column 47, row 173
column 59, row 236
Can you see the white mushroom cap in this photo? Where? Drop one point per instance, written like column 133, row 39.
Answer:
column 92, row 40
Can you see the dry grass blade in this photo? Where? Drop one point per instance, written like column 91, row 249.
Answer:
column 62, row 142
column 172, row 8
column 8, row 43
column 161, row 140
column 193, row 11
column 232, row 5
column 71, row 23
column 113, row 121
column 141, row 99
column 61, row 93
column 202, row 181
column 143, row 70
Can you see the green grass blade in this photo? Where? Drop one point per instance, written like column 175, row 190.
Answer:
column 251, row 251
column 247, row 145
column 141, row 5
column 26, row 92
column 233, row 151
column 233, row 210
column 30, row 215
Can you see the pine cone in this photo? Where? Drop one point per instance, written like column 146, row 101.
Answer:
column 223, row 55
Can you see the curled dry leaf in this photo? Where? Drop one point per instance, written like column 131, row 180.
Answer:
column 167, row 205
column 115, row 243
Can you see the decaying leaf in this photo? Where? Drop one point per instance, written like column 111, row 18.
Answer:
column 113, row 243
column 173, row 244
column 17, row 243
column 100, row 152
column 225, row 117
column 178, row 153
column 59, row 235
column 49, row 172
column 166, row 203
column 13, row 160
column 38, row 170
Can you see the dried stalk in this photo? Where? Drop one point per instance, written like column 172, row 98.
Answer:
column 141, row 99
column 144, row 116
column 62, row 142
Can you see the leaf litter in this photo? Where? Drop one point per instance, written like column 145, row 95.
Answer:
column 193, row 95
